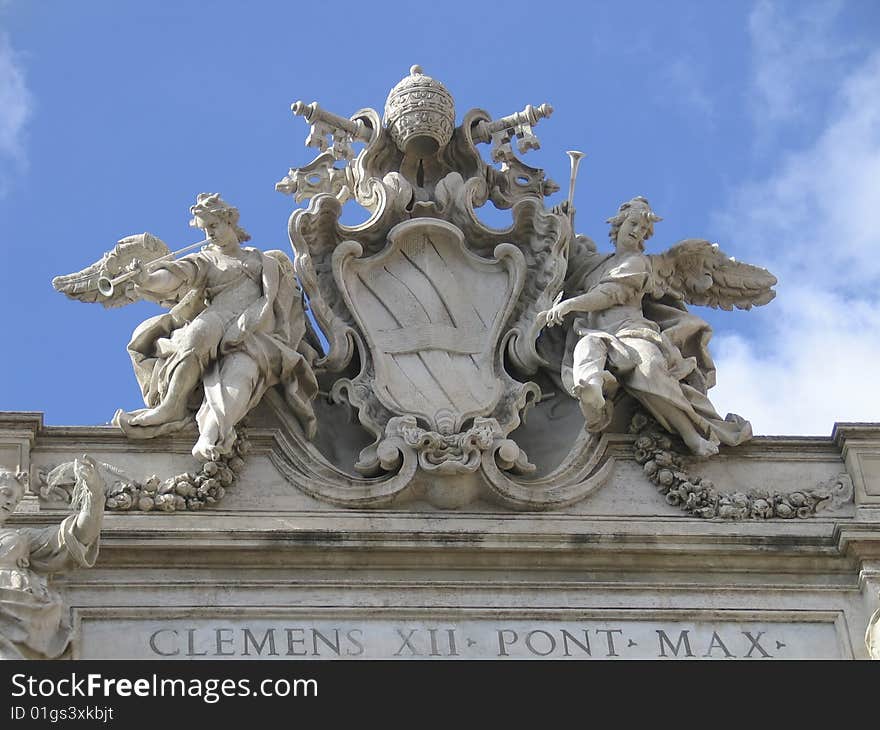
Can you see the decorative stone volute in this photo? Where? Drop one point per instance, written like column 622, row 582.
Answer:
column 420, row 114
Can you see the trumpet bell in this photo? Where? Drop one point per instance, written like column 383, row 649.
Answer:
column 105, row 286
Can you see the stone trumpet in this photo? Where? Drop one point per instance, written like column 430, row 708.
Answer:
column 575, row 158
column 106, row 285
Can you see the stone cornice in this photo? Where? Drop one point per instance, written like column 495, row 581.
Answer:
column 848, row 432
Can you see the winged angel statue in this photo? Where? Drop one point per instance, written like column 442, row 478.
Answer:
column 631, row 328
column 235, row 328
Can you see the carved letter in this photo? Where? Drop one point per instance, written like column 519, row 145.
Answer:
column 549, row 638
column 502, row 645
column 318, row 635
column 155, row 648
column 268, row 637
column 291, row 641
column 585, row 647
column 682, row 639
column 716, row 643
column 453, row 651
column 190, row 644
column 406, row 643
column 360, row 647
column 221, row 640
column 609, row 634
column 754, row 644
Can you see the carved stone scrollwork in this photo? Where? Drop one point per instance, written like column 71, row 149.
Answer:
column 517, row 180
column 446, row 452
column 319, row 176
column 427, row 311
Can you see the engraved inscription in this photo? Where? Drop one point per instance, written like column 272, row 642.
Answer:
column 472, row 639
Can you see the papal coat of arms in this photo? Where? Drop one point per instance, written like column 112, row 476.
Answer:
column 451, row 361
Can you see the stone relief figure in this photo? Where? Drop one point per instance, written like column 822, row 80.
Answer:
column 631, row 329
column 872, row 635
column 235, row 329
column 33, row 624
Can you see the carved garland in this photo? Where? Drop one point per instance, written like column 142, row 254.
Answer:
column 653, row 449
column 189, row 491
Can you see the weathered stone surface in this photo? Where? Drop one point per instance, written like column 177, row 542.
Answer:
column 270, row 557
column 517, row 426
column 560, row 635
column 433, row 323
column 33, row 620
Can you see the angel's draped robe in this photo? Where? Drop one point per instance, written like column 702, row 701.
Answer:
column 33, row 622
column 652, row 347
column 223, row 306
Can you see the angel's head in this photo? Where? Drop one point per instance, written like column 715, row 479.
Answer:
column 12, row 488
column 218, row 220
column 633, row 224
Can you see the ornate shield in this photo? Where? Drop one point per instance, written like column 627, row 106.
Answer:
column 432, row 313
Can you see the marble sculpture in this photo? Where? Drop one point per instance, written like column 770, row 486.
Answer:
column 442, row 334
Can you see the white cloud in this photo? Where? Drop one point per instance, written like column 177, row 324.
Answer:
column 794, row 56
column 15, row 110
column 816, row 364
column 816, row 215
column 813, row 355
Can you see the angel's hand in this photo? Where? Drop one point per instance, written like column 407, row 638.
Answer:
column 556, row 314
column 86, row 471
column 137, row 268
column 563, row 209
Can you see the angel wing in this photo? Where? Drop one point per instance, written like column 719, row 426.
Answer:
column 698, row 272
column 83, row 285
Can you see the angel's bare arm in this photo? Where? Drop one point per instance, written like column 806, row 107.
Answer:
column 601, row 297
column 87, row 526
column 160, row 281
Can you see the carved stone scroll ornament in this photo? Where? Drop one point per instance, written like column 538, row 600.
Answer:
column 236, row 328
column 668, row 470
column 431, row 315
column 33, row 620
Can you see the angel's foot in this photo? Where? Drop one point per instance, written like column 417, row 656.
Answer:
column 164, row 413
column 592, row 403
column 702, row 448
column 205, row 450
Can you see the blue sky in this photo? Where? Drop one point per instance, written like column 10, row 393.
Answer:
column 754, row 124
